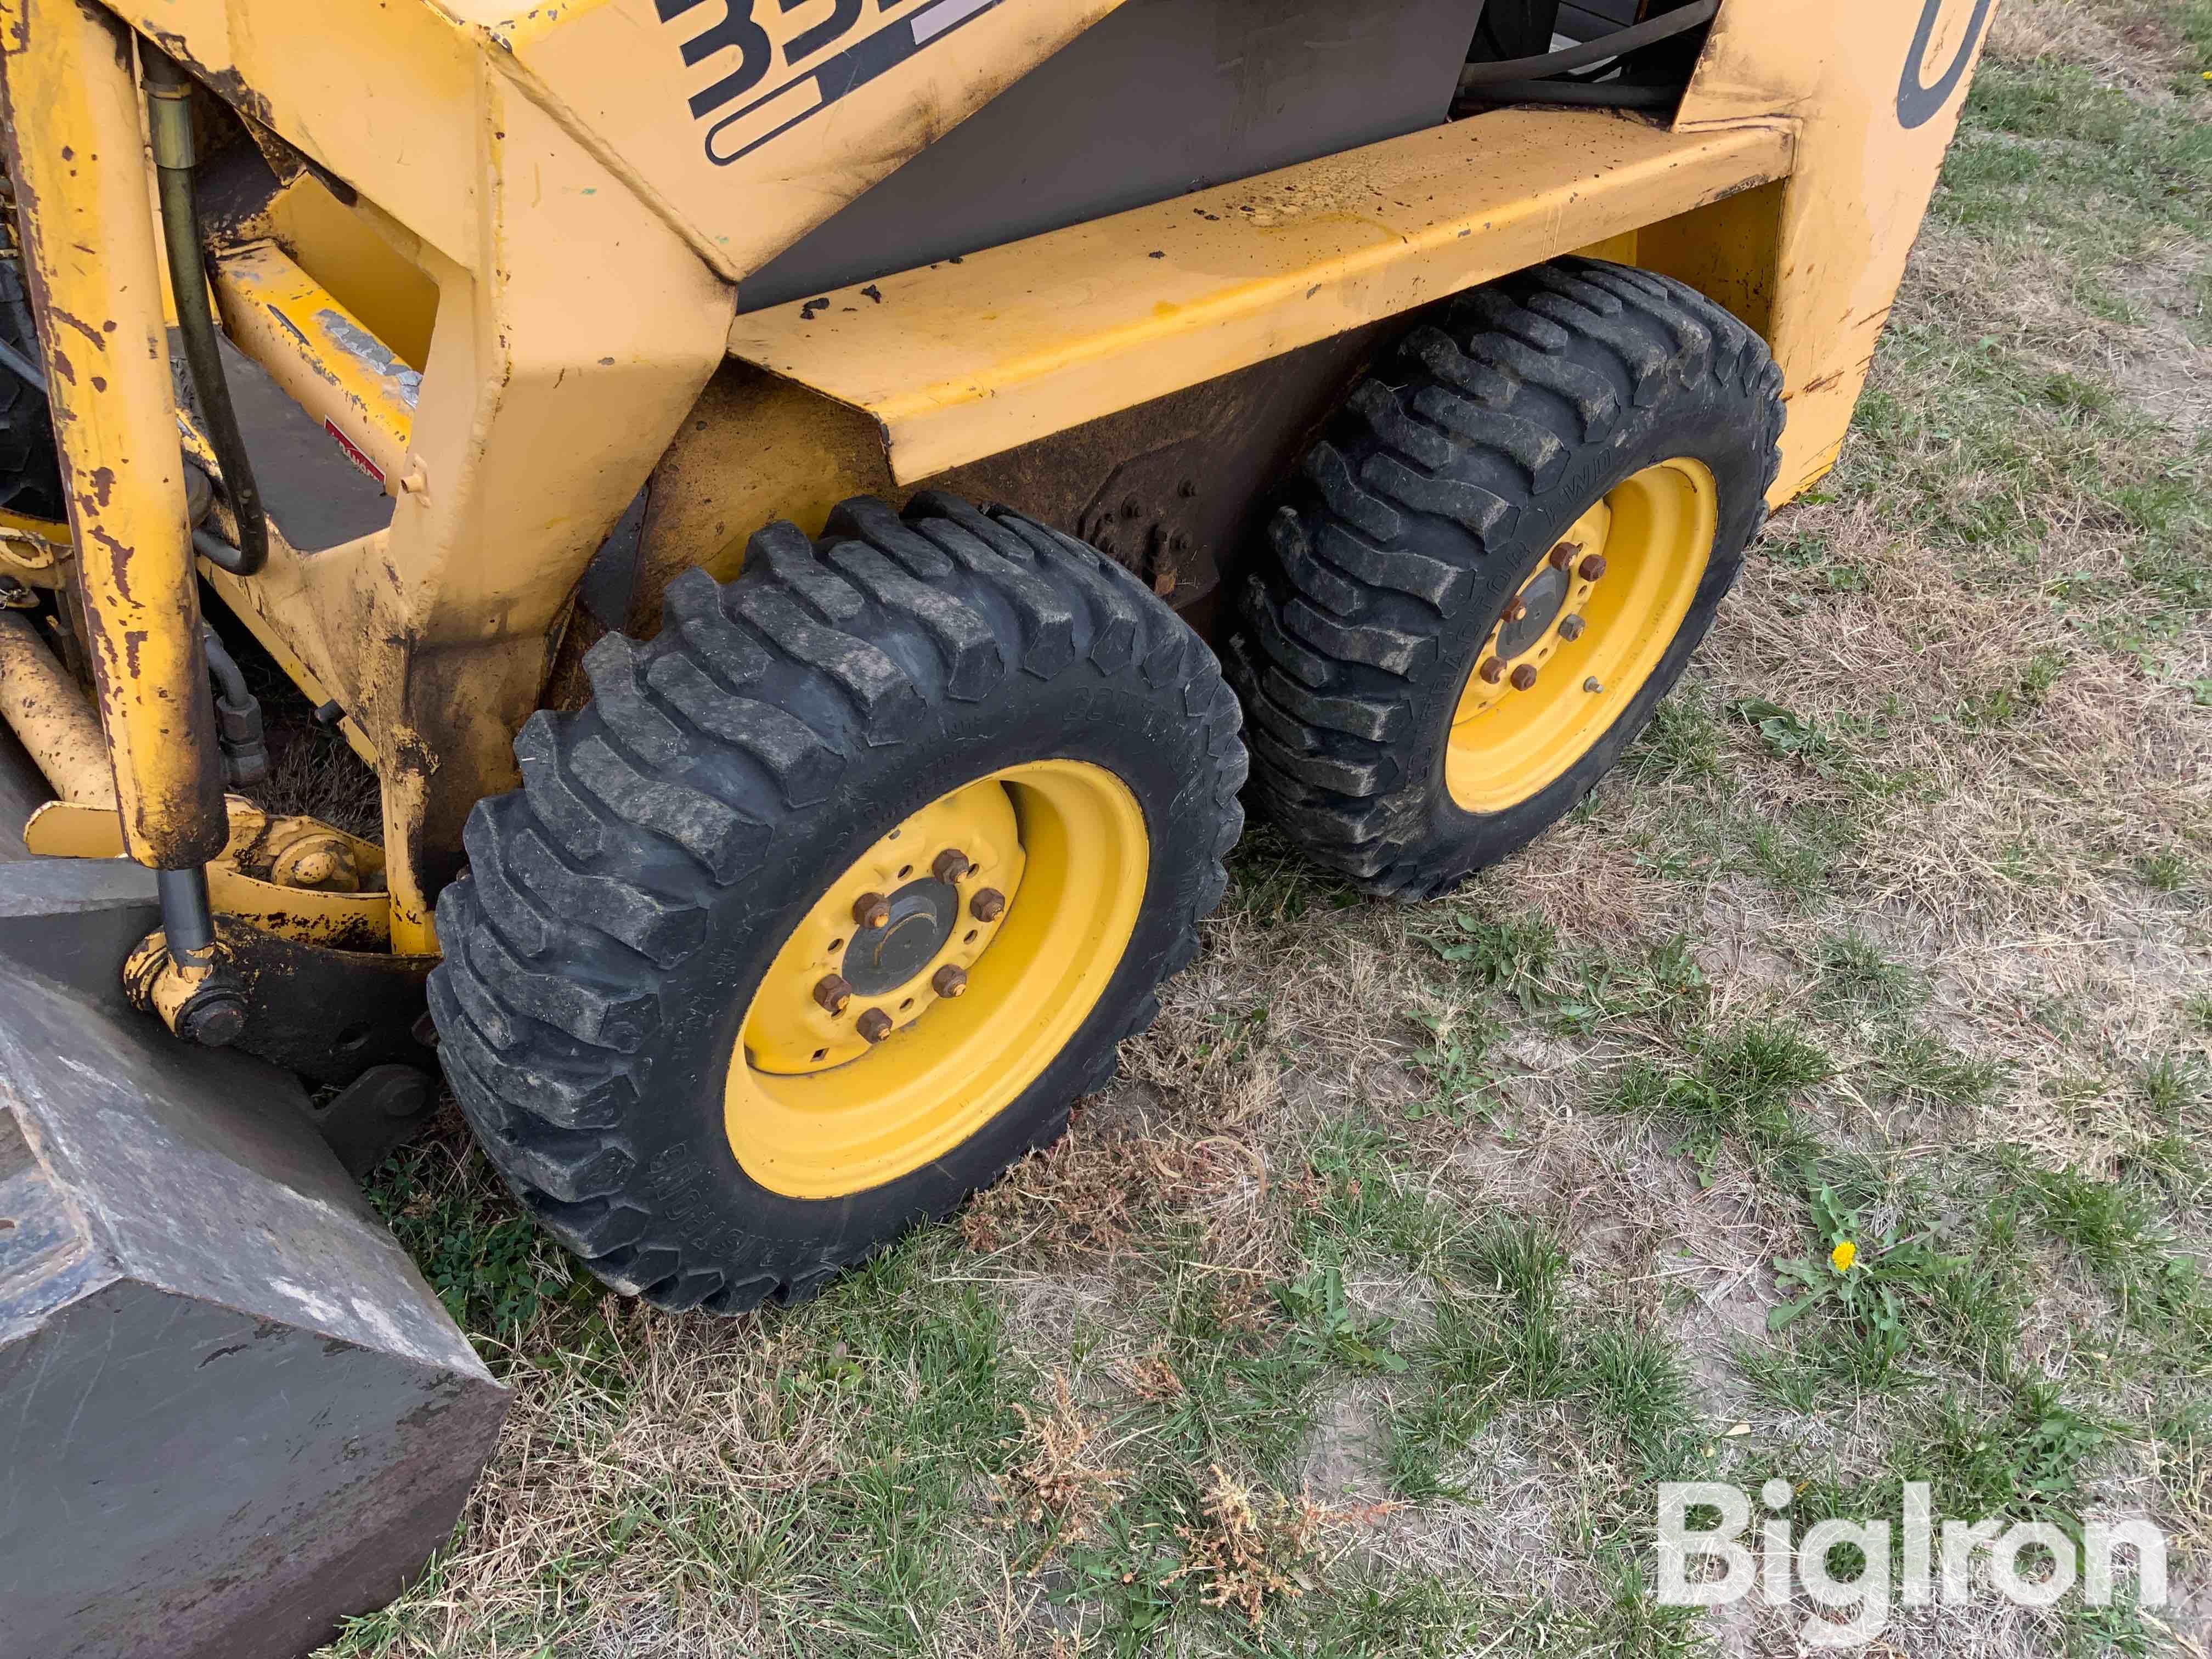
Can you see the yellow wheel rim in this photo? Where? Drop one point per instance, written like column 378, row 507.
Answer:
column 976, row 998
column 1583, row 633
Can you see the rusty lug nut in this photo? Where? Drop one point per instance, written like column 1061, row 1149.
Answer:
column 833, row 992
column 1516, row 608
column 1570, row 629
column 1524, row 677
column 951, row 865
column 1493, row 672
column 872, row 909
column 875, row 1025
column 1564, row 554
column 989, row 905
column 948, row 981
column 1591, row 567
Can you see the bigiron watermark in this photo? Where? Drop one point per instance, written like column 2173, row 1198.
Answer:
column 2027, row 1563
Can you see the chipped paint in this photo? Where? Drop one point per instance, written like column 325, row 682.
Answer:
column 87, row 221
column 372, row 354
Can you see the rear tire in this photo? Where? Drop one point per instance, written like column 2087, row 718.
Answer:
column 624, row 908
column 1445, row 481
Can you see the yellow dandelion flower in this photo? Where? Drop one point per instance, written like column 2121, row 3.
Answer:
column 1843, row 1255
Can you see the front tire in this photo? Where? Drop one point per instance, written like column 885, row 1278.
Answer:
column 1406, row 729
column 658, row 970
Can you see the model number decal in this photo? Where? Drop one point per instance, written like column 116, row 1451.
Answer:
column 1918, row 100
column 823, row 60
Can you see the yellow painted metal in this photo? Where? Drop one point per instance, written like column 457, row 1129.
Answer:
column 1872, row 95
column 242, row 881
column 365, row 259
column 964, row 361
column 75, row 158
column 1654, row 532
column 49, row 715
column 321, row 354
column 34, row 551
column 938, row 1080
column 789, row 1030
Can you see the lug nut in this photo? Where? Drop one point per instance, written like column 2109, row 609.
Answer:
column 871, row 910
column 948, row 981
column 989, row 905
column 1493, row 672
column 875, row 1025
column 1591, row 567
column 1570, row 629
column 1524, row 677
column 833, row 992
column 1564, row 554
column 951, row 865
column 1516, row 608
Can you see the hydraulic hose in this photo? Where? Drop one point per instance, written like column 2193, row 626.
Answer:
column 1595, row 95
column 169, row 121
column 1652, row 29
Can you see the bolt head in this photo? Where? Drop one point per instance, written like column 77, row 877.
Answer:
column 1591, row 567
column 871, row 910
column 874, row 1026
column 1570, row 629
column 1592, row 684
column 989, row 905
column 1524, row 677
column 949, row 982
column 1564, row 554
column 214, row 1020
column 833, row 992
column 951, row 865
column 1493, row 672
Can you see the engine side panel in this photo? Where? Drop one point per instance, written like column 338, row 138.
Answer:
column 1161, row 98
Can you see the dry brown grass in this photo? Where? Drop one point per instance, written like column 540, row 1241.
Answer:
column 1056, row 1479
column 1252, row 1550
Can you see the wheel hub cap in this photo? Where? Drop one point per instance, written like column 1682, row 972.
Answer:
column 1578, row 639
column 1542, row 598
column 923, row 916
column 867, row 1052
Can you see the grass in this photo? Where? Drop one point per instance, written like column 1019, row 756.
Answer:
column 1362, row 1312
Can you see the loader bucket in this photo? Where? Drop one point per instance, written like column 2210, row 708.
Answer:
column 235, row 1412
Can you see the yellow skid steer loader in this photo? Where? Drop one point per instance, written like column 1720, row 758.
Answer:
column 814, row 521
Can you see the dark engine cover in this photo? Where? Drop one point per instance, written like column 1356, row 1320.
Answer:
column 1160, row 98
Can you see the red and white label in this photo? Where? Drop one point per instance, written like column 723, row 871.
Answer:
column 353, row 451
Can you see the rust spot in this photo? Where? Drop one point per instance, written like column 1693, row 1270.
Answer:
column 102, row 479
column 99, row 383
column 58, row 314
column 1824, row 382
column 118, row 563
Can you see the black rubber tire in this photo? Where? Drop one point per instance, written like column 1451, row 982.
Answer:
column 618, row 908
column 1451, row 470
